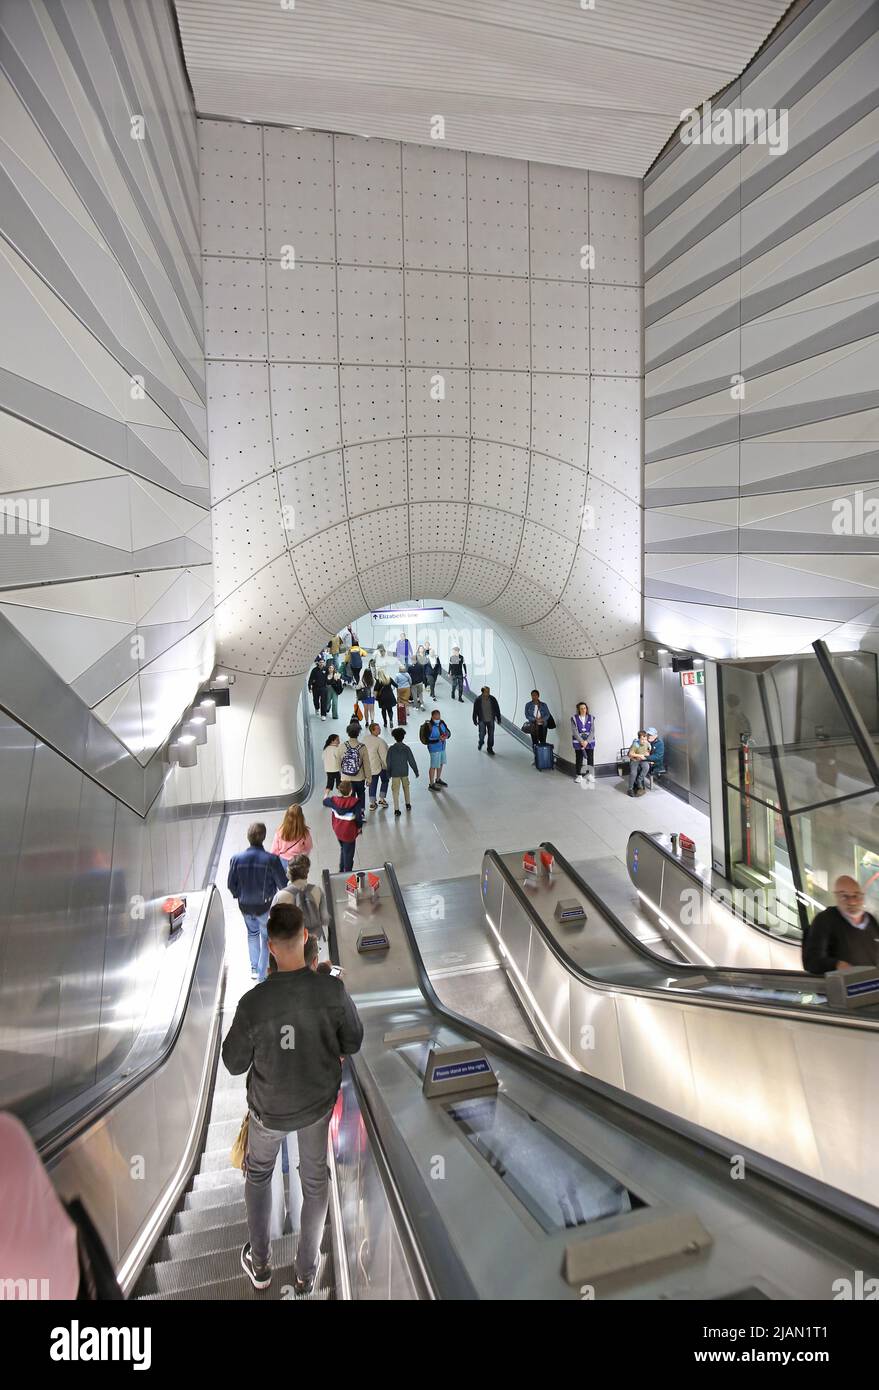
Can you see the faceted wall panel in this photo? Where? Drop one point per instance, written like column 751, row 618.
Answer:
column 762, row 359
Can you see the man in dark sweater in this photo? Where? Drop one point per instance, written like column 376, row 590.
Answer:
column 486, row 713
column 843, row 936
column 289, row 1034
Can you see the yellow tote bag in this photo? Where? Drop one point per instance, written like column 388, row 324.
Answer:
column 239, row 1148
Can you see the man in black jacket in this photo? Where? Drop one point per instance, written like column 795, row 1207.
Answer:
column 486, row 713
column 843, row 936
column 317, row 684
column 289, row 1034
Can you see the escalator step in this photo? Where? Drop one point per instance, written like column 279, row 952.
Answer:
column 215, row 1159
column 228, row 1105
column 208, row 1218
column 222, row 1178
column 221, row 1134
column 183, row 1244
column 241, row 1289
column 216, row 1196
column 213, row 1267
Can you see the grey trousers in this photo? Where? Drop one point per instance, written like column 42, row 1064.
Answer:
column 262, row 1151
column 637, row 774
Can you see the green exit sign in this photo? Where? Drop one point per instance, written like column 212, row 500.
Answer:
column 692, row 678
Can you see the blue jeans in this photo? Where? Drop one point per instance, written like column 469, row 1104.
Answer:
column 257, row 925
column 383, row 777
column 346, row 855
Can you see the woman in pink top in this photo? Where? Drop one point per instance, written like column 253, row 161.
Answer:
column 292, row 836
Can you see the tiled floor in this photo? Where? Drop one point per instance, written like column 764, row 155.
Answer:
column 501, row 802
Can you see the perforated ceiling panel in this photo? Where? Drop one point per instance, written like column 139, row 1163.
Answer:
column 417, row 390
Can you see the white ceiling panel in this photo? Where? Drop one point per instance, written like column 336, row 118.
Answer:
column 599, row 88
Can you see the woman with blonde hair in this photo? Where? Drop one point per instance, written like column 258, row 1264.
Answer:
column 292, row 836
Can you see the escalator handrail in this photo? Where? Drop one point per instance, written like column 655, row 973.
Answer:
column 430, row 1251
column 717, row 894
column 753, row 973
column 107, row 1094
column 831, row 1018
column 789, row 1185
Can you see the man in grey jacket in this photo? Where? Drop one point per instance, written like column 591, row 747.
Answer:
column 289, row 1034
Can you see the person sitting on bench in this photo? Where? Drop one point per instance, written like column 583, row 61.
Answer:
column 657, row 755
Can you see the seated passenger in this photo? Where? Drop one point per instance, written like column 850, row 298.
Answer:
column 842, row 936
column 657, row 755
column 639, row 761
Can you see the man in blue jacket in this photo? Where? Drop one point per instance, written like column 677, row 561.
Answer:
column 657, row 755
column 538, row 716
column 254, row 878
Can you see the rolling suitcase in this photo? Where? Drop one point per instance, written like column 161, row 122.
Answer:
column 401, row 714
column 544, row 758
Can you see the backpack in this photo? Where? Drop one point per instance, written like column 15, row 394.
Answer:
column 350, row 765
column 304, row 899
column 424, row 731
column 355, row 661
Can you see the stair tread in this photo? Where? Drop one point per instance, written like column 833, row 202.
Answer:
column 180, row 1245
column 211, row 1267
column 206, row 1218
column 214, row 1196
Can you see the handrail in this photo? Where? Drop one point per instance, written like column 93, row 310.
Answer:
column 831, row 1018
column 107, row 1094
column 789, row 1185
column 650, row 837
column 429, row 1249
column 850, row 712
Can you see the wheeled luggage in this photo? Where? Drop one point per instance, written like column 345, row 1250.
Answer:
column 544, row 757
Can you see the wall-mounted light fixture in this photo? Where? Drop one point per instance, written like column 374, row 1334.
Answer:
column 197, row 726
column 207, row 708
column 184, row 751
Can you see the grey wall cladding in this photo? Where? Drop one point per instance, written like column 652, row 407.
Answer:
column 105, row 549
column 758, row 529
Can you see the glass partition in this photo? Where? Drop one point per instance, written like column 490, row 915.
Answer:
column 801, row 784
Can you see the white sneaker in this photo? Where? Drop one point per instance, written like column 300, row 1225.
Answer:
column 324, row 718
column 578, row 778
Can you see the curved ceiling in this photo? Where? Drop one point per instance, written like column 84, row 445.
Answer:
column 435, row 400
column 599, row 88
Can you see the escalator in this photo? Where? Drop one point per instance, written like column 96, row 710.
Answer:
column 539, row 1183
column 769, row 1058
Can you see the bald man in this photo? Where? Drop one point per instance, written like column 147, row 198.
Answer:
column 842, row 936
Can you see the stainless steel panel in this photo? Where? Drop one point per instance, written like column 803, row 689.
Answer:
column 515, row 931
column 549, row 983
column 697, row 742
column 81, row 947
column 37, row 946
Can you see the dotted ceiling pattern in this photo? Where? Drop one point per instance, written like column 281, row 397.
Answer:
column 421, row 384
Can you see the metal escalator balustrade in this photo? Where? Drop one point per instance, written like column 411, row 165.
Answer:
column 555, row 1173
column 761, row 1058
column 697, row 913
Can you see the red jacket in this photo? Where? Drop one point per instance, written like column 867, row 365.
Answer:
column 346, row 817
